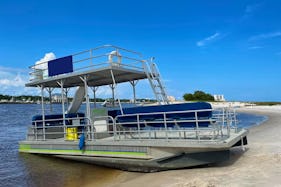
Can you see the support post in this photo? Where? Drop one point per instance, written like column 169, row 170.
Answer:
column 197, row 126
column 50, row 90
column 91, row 56
column 134, row 83
column 114, row 86
column 88, row 109
column 43, row 111
column 94, row 89
column 66, row 90
column 62, row 104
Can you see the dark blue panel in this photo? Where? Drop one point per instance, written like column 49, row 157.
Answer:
column 56, row 119
column 156, row 120
column 60, row 66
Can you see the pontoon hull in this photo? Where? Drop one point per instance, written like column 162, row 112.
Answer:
column 184, row 160
column 142, row 156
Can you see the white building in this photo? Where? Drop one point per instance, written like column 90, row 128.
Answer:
column 219, row 98
column 56, row 98
column 171, row 98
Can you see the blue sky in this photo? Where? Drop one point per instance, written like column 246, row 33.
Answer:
column 220, row 46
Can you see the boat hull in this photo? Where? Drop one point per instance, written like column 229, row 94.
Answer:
column 138, row 155
column 184, row 160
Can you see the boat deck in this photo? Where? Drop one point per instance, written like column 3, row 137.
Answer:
column 97, row 64
column 96, row 77
column 106, row 130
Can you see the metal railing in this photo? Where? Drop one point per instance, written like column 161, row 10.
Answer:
column 57, row 128
column 221, row 125
column 95, row 58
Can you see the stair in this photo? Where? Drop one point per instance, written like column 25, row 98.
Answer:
column 156, row 83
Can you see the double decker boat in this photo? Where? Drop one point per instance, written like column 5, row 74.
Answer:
column 140, row 138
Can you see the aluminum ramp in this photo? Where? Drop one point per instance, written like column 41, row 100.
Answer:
column 77, row 100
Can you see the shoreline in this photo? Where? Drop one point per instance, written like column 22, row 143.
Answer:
column 258, row 165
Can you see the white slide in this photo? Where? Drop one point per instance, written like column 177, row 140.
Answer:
column 77, row 100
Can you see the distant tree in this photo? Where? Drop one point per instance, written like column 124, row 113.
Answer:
column 188, row 97
column 198, row 96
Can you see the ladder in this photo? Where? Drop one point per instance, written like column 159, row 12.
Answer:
column 156, row 84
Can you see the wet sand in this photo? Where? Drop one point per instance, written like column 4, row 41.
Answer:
column 258, row 165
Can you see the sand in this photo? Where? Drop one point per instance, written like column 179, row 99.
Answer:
column 258, row 165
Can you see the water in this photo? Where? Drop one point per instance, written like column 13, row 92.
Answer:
column 249, row 120
column 20, row 169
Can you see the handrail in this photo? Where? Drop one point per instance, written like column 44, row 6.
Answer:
column 216, row 131
column 79, row 59
column 96, row 48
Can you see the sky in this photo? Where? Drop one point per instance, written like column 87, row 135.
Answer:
column 220, row 46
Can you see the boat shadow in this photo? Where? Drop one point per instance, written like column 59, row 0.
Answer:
column 234, row 155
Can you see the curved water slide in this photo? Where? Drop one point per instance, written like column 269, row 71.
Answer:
column 77, row 100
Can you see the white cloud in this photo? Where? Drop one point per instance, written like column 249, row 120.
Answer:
column 265, row 36
column 13, row 83
column 13, row 80
column 208, row 39
column 16, row 82
column 42, row 63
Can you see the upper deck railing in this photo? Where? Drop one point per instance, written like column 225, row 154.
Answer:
column 95, row 58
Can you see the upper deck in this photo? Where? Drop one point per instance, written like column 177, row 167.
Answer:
column 103, row 65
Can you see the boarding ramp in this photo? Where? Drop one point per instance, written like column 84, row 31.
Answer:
column 77, row 100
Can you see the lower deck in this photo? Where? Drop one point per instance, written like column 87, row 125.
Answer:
column 140, row 153
column 105, row 141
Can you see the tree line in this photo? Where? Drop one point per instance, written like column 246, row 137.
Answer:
column 33, row 98
column 198, row 96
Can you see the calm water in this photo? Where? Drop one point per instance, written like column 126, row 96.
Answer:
column 18, row 169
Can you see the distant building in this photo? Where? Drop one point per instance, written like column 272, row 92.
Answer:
column 57, row 98
column 219, row 98
column 171, row 98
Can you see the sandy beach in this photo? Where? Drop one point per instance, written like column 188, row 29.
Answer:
column 258, row 165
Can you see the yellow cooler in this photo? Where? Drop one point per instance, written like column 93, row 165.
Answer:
column 71, row 133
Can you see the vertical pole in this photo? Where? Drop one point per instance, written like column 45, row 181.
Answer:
column 223, row 113
column 197, row 125
column 113, row 94
column 165, row 125
column 50, row 98
column 91, row 56
column 43, row 111
column 95, row 88
column 134, row 83
column 95, row 99
column 235, row 121
column 63, row 109
column 138, row 124
column 66, row 90
column 88, row 109
column 228, row 121
column 113, row 87
column 134, row 90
